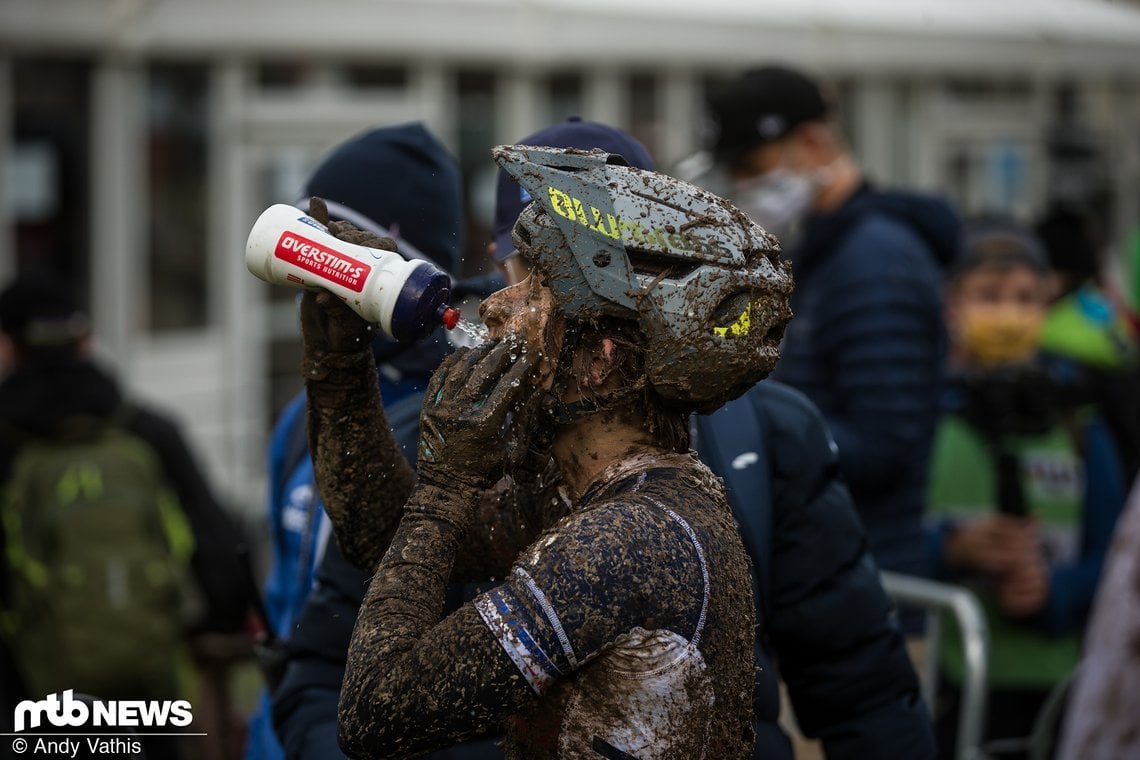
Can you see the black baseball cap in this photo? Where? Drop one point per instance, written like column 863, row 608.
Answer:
column 762, row 105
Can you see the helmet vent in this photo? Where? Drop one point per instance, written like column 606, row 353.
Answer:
column 731, row 309
column 656, row 265
column 656, row 199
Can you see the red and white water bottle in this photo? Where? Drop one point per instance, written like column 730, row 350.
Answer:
column 406, row 299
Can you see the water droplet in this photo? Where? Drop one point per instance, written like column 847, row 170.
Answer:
column 475, row 332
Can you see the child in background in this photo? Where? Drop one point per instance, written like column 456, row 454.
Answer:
column 1025, row 487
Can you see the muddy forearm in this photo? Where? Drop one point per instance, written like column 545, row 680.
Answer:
column 361, row 473
column 413, row 683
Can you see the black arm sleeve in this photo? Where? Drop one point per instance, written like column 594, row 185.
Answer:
column 415, row 682
column 305, row 704
column 843, row 658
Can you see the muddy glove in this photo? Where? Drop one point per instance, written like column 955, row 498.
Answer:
column 330, row 329
column 333, row 334
column 462, row 439
column 346, row 231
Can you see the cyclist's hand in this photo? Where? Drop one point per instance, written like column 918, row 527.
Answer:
column 328, row 326
column 466, row 408
column 347, row 231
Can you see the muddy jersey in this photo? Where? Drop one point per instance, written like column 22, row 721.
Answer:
column 632, row 621
column 624, row 631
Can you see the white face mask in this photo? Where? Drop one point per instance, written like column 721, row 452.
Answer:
column 778, row 201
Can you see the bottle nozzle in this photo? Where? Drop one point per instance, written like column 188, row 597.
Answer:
column 449, row 316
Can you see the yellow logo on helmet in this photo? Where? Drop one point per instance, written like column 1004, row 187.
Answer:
column 631, row 231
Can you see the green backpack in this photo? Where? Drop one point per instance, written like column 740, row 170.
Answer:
column 98, row 558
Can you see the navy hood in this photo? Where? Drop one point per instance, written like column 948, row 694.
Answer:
column 931, row 217
column 400, row 179
column 399, row 182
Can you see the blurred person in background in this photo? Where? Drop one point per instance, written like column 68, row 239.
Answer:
column 1025, row 488
column 1133, row 257
column 1104, row 701
column 397, row 182
column 1090, row 334
column 866, row 343
column 117, row 554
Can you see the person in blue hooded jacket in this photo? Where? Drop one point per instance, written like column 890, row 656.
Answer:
column 398, row 182
column 867, row 341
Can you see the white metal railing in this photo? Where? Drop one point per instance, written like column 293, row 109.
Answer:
column 935, row 599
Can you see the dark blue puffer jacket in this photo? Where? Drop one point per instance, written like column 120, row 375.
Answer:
column 867, row 343
column 824, row 623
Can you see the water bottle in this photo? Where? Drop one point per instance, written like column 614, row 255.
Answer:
column 406, row 299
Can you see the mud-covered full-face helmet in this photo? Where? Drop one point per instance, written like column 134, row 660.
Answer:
column 704, row 283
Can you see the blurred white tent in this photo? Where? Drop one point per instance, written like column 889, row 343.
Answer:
column 1040, row 35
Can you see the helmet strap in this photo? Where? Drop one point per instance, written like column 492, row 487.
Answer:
column 565, row 413
column 551, row 405
column 563, row 375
